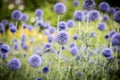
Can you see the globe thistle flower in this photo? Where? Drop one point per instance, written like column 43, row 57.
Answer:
column 115, row 40
column 74, row 51
column 24, row 17
column 93, row 15
column 38, row 79
column 112, row 10
column 72, row 45
column 59, row 8
column 102, row 26
column 2, row 29
column 76, row 3
column 52, row 30
column 117, row 16
column 25, row 46
column 35, row 61
column 40, row 23
column 16, row 15
column 70, row 23
column 13, row 29
column 39, row 12
column 62, row 38
column 79, row 74
column 45, row 32
column 107, row 52
column 4, row 48
column 88, row 4
column 14, row 64
column 106, row 36
column 75, row 37
column 16, row 46
column 79, row 15
column 50, row 38
column 11, row 24
column 4, row 22
column 62, row 26
column 29, row 27
column 47, row 47
column 3, row 56
column 45, row 70
column 112, row 32
column 46, row 25
column 104, row 6
column 105, row 18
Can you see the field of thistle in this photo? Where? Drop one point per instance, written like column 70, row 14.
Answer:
column 85, row 47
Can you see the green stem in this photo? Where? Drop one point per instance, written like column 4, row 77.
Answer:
column 58, row 23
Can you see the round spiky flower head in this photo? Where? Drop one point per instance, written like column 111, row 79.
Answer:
column 59, row 8
column 70, row 23
column 39, row 12
column 88, row 4
column 35, row 61
column 104, row 6
column 62, row 37
column 117, row 17
column 16, row 15
column 107, row 52
column 76, row 3
column 93, row 15
column 102, row 26
column 74, row 51
column 24, row 17
column 115, row 40
column 5, row 48
column 2, row 29
column 14, row 64
column 62, row 26
column 105, row 18
column 13, row 29
column 45, row 70
column 112, row 10
column 79, row 15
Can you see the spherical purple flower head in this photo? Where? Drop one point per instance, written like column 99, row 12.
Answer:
column 104, row 6
column 111, row 33
column 14, row 64
column 23, row 37
column 38, row 79
column 39, row 12
column 24, row 25
column 62, row 37
column 25, row 46
column 88, row 4
column 35, row 61
column 102, row 26
column 47, row 47
column 106, row 36
column 72, row 45
column 11, row 24
column 62, row 26
column 76, row 3
column 2, row 29
column 107, row 52
column 79, row 74
column 40, row 23
column 52, row 30
column 75, row 36
column 50, row 38
column 16, row 46
column 45, row 70
column 5, row 48
column 45, row 32
column 115, row 40
column 79, row 15
column 59, row 8
column 5, row 22
column 92, row 34
column 70, row 23
column 74, row 51
column 46, row 25
column 24, row 17
column 112, row 10
column 30, row 27
column 93, row 15
column 117, row 17
column 13, row 29
column 105, row 18
column 16, row 15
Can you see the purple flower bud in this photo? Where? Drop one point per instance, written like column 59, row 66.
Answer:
column 102, row 26
column 76, row 3
column 105, row 18
column 39, row 13
column 13, row 29
column 107, row 52
column 70, row 23
column 24, row 17
column 45, row 70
